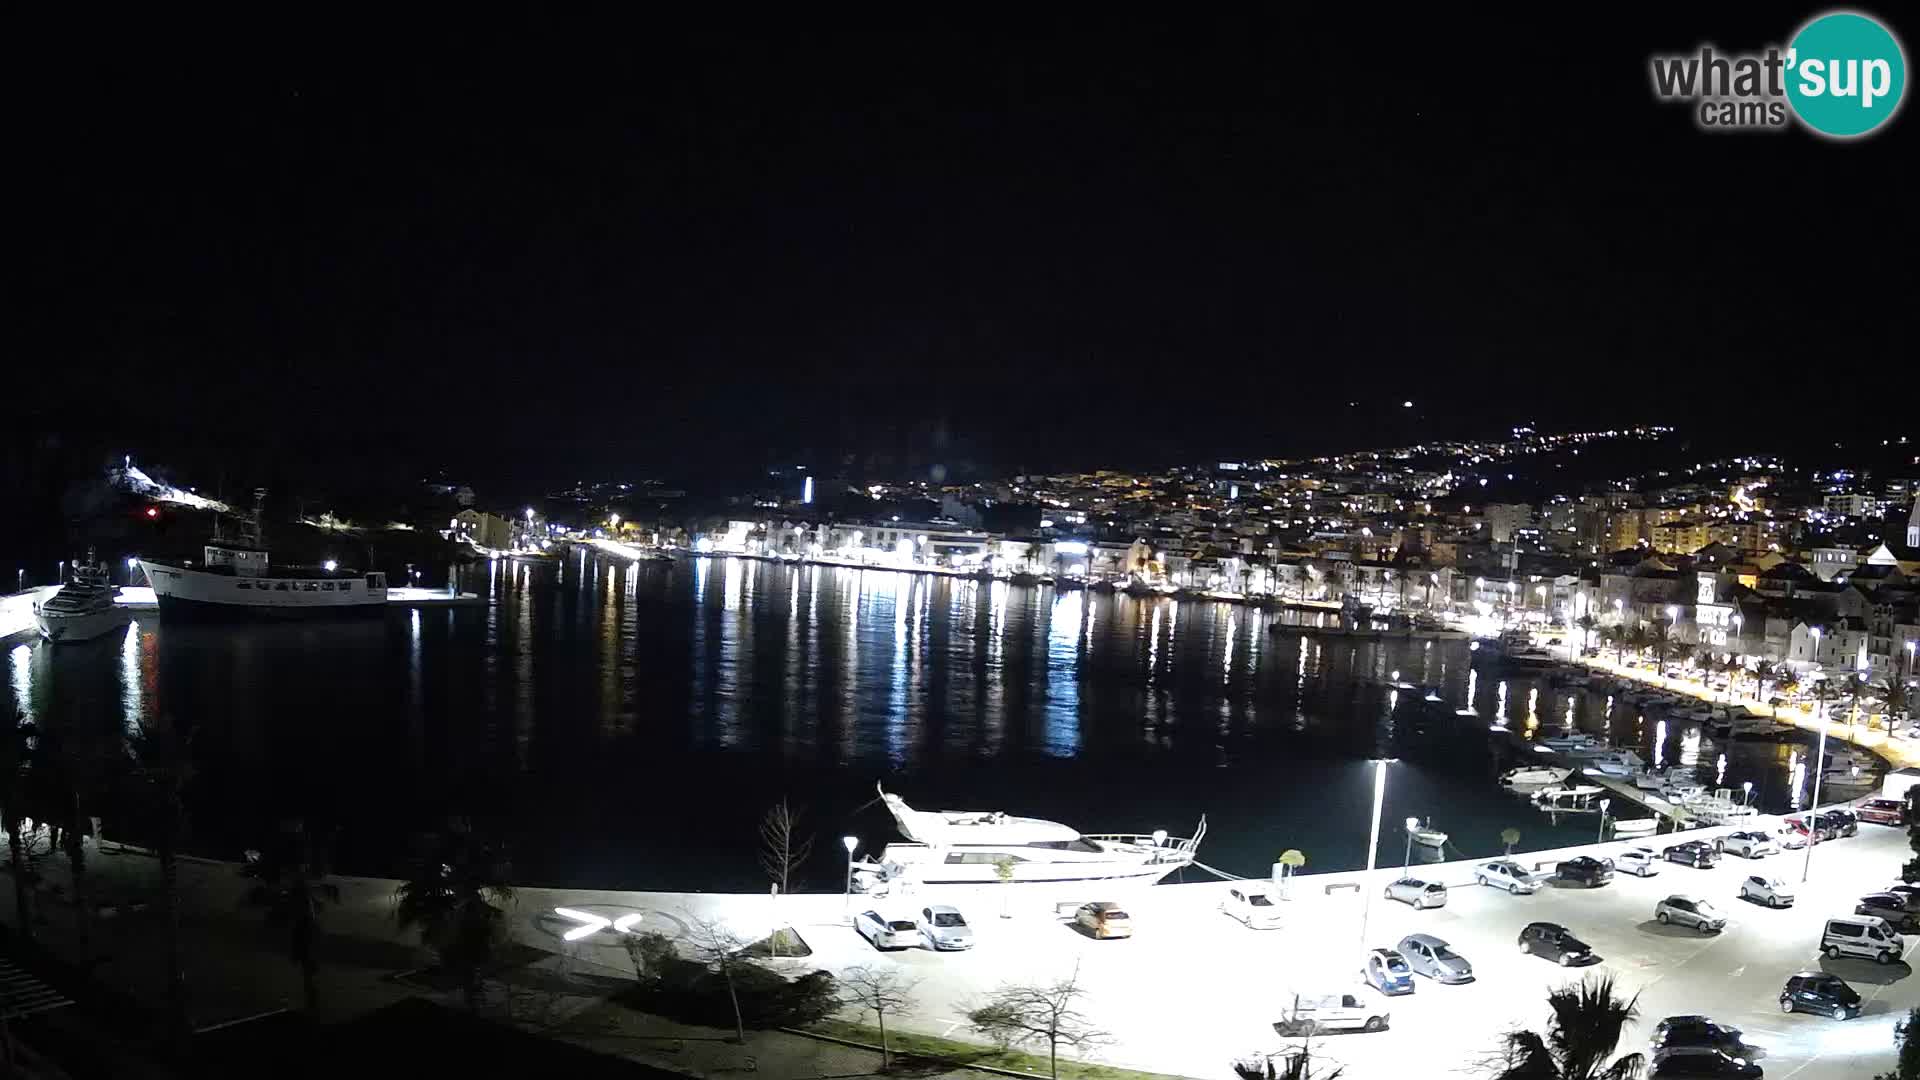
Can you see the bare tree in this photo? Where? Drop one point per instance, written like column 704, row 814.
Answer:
column 1039, row 1012
column 712, row 944
column 880, row 991
column 782, row 847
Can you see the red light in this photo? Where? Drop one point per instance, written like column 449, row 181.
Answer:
column 153, row 511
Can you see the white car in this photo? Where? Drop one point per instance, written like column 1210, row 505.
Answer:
column 1253, row 906
column 1506, row 874
column 945, row 928
column 1770, row 891
column 1751, row 845
column 1638, row 861
column 887, row 933
column 1788, row 838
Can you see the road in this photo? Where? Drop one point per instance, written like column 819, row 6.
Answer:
column 1193, row 988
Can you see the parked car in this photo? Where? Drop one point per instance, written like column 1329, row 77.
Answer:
column 1585, row 870
column 1819, row 828
column 1252, row 905
column 1695, row 1031
column 1638, row 861
column 1387, row 971
column 1695, row 853
column 1889, row 906
column 1883, row 811
column 887, row 933
column 1748, row 845
column 1319, row 1013
column 1862, row 935
column 1701, row 1061
column 1420, row 894
column 1551, row 941
column 1840, row 821
column 1690, row 911
column 1104, row 919
column 945, row 928
column 1819, row 992
column 1428, row 955
column 1791, row 836
column 1909, row 893
column 1770, row 891
column 1506, row 874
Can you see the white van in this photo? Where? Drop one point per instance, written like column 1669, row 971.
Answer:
column 1862, row 935
column 1316, row 1012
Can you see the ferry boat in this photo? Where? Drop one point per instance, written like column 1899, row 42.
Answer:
column 83, row 608
column 238, row 581
column 968, row 847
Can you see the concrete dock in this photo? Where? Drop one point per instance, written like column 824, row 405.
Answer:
column 16, row 609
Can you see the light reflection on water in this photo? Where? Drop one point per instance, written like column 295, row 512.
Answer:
column 668, row 703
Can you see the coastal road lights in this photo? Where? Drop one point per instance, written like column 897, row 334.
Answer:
column 848, row 842
column 1910, row 646
column 1373, row 845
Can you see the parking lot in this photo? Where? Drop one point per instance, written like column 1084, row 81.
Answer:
column 1193, row 987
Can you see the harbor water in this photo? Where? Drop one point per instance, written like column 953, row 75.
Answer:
column 627, row 724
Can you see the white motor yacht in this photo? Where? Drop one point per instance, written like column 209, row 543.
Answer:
column 1609, row 762
column 968, row 847
column 1534, row 776
column 83, row 608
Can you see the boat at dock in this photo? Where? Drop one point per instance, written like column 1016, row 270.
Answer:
column 83, row 608
column 1534, row 776
column 1429, row 836
column 1644, row 826
column 238, row 581
column 1620, row 763
column 1572, row 799
column 969, row 847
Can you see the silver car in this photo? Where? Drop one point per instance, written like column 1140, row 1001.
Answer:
column 1506, row 874
column 1428, row 955
column 1690, row 911
column 1420, row 894
column 1751, row 845
column 1638, row 861
column 1770, row 891
column 945, row 929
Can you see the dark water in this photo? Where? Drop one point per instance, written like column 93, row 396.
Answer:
column 627, row 725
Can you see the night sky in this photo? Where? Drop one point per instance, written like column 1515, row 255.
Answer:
column 548, row 249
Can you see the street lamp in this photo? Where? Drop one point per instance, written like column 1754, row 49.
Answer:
column 849, row 842
column 1816, row 647
column 1406, row 863
column 1910, row 646
column 1373, row 845
column 1746, row 792
column 1813, row 807
column 1604, row 803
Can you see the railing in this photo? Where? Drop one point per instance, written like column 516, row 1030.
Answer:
column 1172, row 845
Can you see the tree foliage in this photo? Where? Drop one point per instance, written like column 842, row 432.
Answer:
column 454, row 895
column 1036, row 1013
column 291, row 886
column 1583, row 1032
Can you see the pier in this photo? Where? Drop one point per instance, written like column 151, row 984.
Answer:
column 16, row 609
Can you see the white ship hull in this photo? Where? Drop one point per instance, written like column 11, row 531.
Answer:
column 187, row 593
column 81, row 626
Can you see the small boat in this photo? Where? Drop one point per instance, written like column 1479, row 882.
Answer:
column 1566, row 799
column 1578, row 742
column 1609, row 762
column 83, row 608
column 1636, row 826
column 1534, row 776
column 1429, row 836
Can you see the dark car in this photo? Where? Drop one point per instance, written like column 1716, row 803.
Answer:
column 1889, row 906
column 1883, row 811
column 1551, row 941
column 1818, row 992
column 1585, row 870
column 1701, row 1061
column 1695, row 853
column 1843, row 821
column 1696, row 1031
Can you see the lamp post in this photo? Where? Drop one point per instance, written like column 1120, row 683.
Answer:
column 848, row 842
column 1373, row 846
column 1813, row 807
column 1816, row 648
column 1910, row 646
column 1407, row 862
column 1746, row 792
column 1604, row 803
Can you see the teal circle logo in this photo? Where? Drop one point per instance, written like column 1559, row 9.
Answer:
column 1845, row 74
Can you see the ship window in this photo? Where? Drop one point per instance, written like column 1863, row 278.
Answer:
column 346, row 586
column 1081, row 844
column 282, row 587
column 311, row 587
column 326, row 586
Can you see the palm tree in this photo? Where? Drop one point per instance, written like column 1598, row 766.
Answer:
column 164, row 764
column 1586, row 623
column 1616, row 636
column 1894, row 692
column 1661, row 640
column 1585, row 1029
column 74, row 761
column 1509, row 836
column 15, row 734
column 453, row 897
column 1303, row 577
column 293, row 890
column 1291, row 860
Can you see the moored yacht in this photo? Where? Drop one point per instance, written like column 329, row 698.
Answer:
column 967, row 847
column 1534, row 775
column 83, row 608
